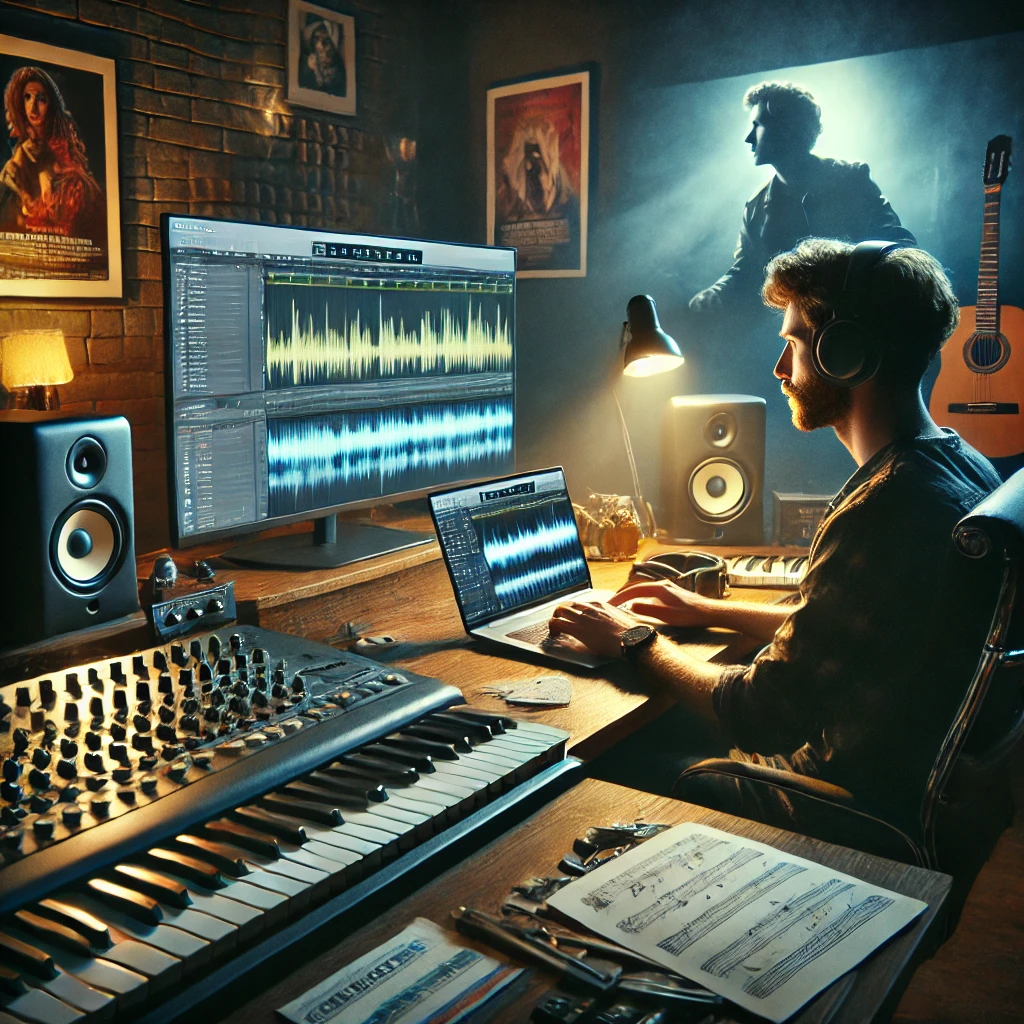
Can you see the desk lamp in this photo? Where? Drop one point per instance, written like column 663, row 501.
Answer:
column 32, row 363
column 646, row 350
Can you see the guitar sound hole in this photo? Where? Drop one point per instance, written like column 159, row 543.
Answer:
column 986, row 353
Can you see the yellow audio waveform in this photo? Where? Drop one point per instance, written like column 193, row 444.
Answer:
column 442, row 344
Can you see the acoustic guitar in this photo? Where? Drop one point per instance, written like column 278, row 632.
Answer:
column 981, row 379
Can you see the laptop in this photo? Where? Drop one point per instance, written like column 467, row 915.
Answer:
column 513, row 553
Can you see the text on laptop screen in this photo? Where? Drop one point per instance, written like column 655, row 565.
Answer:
column 510, row 544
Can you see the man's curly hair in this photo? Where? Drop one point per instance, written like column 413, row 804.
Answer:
column 791, row 107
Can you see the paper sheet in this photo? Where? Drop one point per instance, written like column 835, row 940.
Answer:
column 761, row 927
column 421, row 975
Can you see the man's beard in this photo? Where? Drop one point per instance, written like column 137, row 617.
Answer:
column 816, row 403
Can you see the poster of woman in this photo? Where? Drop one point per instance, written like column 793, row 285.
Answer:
column 538, row 136
column 59, row 223
column 321, row 58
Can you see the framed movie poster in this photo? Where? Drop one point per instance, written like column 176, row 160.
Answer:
column 60, row 224
column 538, row 145
column 321, row 58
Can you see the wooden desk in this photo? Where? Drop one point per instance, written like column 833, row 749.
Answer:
column 869, row 993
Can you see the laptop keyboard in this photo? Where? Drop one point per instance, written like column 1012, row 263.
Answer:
column 538, row 634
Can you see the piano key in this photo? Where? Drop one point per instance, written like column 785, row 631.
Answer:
column 242, row 835
column 40, row 1007
column 344, row 780
column 478, row 732
column 496, row 723
column 385, row 771
column 92, row 929
column 366, row 856
column 26, row 957
column 305, row 810
column 218, row 855
column 152, row 884
column 142, row 908
column 231, row 909
column 268, row 822
column 421, row 762
column 436, row 750
column 183, row 866
column 365, row 825
column 57, row 934
column 459, row 738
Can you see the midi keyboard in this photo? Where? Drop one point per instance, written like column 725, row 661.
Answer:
column 171, row 820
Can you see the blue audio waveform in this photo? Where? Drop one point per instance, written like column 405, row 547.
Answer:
column 331, row 459
column 535, row 556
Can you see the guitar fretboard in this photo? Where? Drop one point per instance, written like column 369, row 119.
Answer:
column 987, row 312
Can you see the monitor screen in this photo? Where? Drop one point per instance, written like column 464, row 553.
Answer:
column 509, row 544
column 310, row 370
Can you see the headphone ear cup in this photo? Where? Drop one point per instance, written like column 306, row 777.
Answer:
column 846, row 354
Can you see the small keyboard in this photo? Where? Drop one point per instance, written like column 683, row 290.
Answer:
column 760, row 570
column 539, row 633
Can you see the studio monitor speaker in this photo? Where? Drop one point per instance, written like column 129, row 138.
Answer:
column 67, row 518
column 712, row 469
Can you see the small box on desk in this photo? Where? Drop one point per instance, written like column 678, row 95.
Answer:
column 795, row 517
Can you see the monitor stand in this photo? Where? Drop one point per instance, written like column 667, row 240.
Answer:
column 330, row 545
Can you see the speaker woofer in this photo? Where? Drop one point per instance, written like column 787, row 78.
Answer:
column 719, row 490
column 87, row 545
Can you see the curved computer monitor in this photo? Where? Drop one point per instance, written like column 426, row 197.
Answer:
column 313, row 371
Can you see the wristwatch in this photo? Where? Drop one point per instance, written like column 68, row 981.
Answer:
column 635, row 639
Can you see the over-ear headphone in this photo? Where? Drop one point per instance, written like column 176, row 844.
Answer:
column 703, row 573
column 845, row 351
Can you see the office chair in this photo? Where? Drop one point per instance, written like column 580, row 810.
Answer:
column 967, row 802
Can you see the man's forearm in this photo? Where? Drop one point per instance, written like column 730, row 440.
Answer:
column 692, row 682
column 751, row 618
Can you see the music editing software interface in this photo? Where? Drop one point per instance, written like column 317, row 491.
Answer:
column 510, row 544
column 314, row 369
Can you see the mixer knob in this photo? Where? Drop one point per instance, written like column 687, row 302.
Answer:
column 259, row 699
column 217, row 696
column 212, row 714
column 147, row 763
column 94, row 678
column 192, row 614
column 241, row 660
column 94, row 783
column 159, row 660
column 179, row 655
column 186, row 678
column 169, row 700
column 195, row 647
column 148, row 783
column 240, row 706
column 142, row 692
column 144, row 708
column 68, row 748
column 72, row 685
column 46, row 694
column 279, row 690
column 171, row 751
column 190, row 706
column 172, row 618
column 119, row 752
column 205, row 672
column 139, row 666
column 96, row 707
column 279, row 675
column 259, row 683
column 40, row 757
column 72, row 815
column 235, row 641
column 38, row 804
column 35, row 720
column 49, row 732
column 121, row 775
column 166, row 714
column 67, row 769
column 40, row 780
column 11, row 792
column 117, row 731
column 11, row 770
column 23, row 697
column 240, row 689
column 141, row 723
column 20, row 740
column 5, row 710
column 117, row 672
column 70, row 712
column 165, row 684
column 259, row 656
column 214, row 606
column 165, row 732
column 70, row 793
column 94, row 762
column 189, row 723
column 120, row 699
column 100, row 806
column 93, row 740
column 213, row 645
column 298, row 685
column 178, row 771
column 224, row 666
column 140, row 741
column 43, row 828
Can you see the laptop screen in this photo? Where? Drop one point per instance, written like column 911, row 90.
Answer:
column 509, row 544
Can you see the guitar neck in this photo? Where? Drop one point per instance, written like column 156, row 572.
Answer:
column 987, row 313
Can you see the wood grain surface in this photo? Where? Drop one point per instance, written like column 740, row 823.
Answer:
column 535, row 847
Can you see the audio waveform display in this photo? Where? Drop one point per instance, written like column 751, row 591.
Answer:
column 534, row 555
column 324, row 460
column 319, row 334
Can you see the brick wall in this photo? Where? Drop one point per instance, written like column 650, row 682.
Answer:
column 205, row 129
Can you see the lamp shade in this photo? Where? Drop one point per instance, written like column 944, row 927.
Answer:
column 647, row 349
column 34, row 358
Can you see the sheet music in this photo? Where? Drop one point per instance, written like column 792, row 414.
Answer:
column 763, row 928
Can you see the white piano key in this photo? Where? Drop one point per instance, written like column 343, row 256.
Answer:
column 40, row 1007
column 71, row 990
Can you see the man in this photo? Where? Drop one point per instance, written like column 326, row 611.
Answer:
column 858, row 683
column 807, row 196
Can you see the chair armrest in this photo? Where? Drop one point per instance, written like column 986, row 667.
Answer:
column 796, row 803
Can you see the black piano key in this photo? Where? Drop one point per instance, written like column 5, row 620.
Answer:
column 478, row 732
column 152, row 883
column 191, row 868
column 26, row 957
column 11, row 983
column 91, row 928
column 383, row 771
column 307, row 810
column 271, row 823
column 244, row 836
column 494, row 721
column 436, row 750
column 54, row 932
column 411, row 759
column 341, row 780
column 127, row 901
column 226, row 859
column 458, row 738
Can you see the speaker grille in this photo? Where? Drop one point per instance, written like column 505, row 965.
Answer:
column 87, row 545
column 719, row 490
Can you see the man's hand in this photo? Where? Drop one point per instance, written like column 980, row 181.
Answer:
column 706, row 301
column 595, row 624
column 667, row 602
